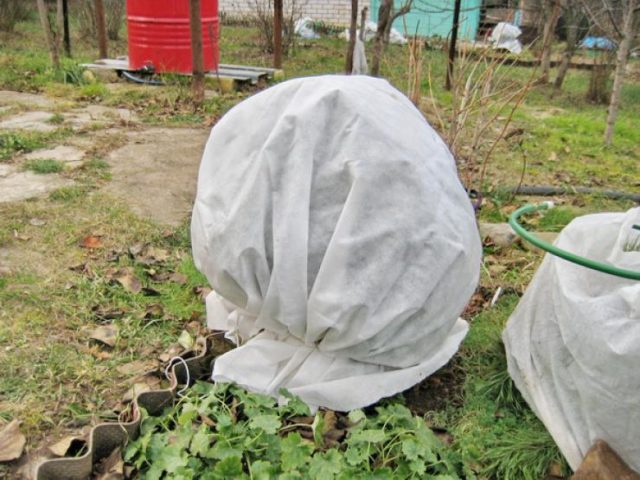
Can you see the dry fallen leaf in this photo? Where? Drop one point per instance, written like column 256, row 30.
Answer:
column 202, row 292
column 186, row 340
column 12, row 442
column 128, row 280
column 112, row 467
column 91, row 241
column 136, row 389
column 137, row 367
column 106, row 334
column 154, row 310
column 173, row 351
column 61, row 447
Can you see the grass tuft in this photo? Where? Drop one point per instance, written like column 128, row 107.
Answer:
column 44, row 166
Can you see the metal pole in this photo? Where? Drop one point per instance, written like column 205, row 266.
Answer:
column 67, row 39
column 452, row 44
column 277, row 33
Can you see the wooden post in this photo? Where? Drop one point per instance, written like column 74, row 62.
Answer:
column 348, row 67
column 67, row 38
column 46, row 27
column 277, row 33
column 452, row 44
column 101, row 28
column 197, row 60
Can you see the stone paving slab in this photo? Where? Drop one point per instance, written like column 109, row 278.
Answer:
column 70, row 156
column 18, row 186
column 156, row 172
column 8, row 97
column 35, row 121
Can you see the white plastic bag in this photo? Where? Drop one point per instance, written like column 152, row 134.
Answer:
column 370, row 29
column 304, row 28
column 505, row 35
column 573, row 342
column 360, row 66
column 340, row 244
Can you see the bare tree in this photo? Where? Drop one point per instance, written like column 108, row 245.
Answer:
column 278, row 17
column 572, row 16
column 197, row 59
column 551, row 9
column 101, row 28
column 43, row 12
column 352, row 37
column 618, row 20
column 386, row 17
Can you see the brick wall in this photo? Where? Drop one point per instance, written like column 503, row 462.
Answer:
column 334, row 12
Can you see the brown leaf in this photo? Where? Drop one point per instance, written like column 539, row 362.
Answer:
column 137, row 367
column 82, row 268
column 128, row 280
column 178, row 278
column 135, row 390
column 106, row 334
column 91, row 241
column 61, row 447
column 136, row 249
column 105, row 313
column 329, row 421
column 151, row 292
column 154, row 310
column 12, row 442
column 202, row 292
column 170, row 353
column 151, row 255
column 112, row 467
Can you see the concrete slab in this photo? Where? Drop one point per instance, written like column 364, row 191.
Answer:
column 71, row 156
column 37, row 121
column 6, row 170
column 24, row 185
column 8, row 97
column 156, row 172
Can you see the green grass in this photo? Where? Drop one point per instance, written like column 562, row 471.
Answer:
column 43, row 166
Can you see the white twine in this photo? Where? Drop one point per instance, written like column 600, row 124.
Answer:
column 167, row 373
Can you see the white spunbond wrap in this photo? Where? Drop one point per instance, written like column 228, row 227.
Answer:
column 338, row 239
column 573, row 342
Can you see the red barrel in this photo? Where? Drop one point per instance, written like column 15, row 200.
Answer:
column 159, row 35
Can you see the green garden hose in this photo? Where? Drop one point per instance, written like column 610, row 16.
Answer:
column 558, row 252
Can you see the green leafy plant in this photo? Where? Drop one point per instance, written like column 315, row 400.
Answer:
column 222, row 431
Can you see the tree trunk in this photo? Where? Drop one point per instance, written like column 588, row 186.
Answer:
column 384, row 16
column 572, row 42
column 277, row 33
column 348, row 67
column 59, row 24
column 197, row 60
column 547, row 39
column 46, row 27
column 101, row 29
column 621, row 65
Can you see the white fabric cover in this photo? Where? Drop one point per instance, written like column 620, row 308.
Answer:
column 573, row 342
column 340, row 244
